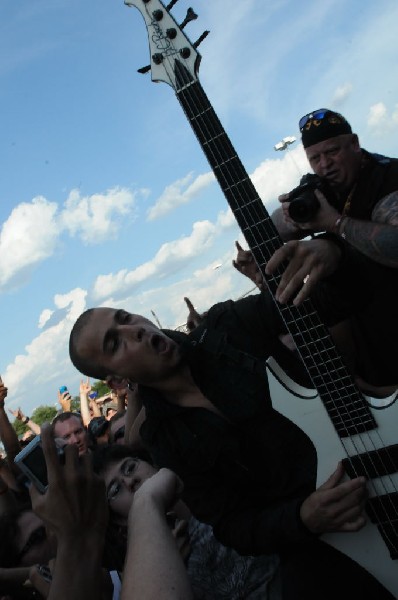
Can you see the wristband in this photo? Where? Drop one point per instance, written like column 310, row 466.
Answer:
column 25, row 420
column 337, row 226
column 336, row 239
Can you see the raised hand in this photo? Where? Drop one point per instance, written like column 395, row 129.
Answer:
column 309, row 261
column 75, row 500
column 163, row 488
column 75, row 508
column 245, row 264
column 194, row 318
column 336, row 505
column 85, row 386
column 18, row 414
column 65, row 400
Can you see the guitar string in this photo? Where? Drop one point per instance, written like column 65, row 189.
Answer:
column 330, row 358
column 192, row 86
column 226, row 164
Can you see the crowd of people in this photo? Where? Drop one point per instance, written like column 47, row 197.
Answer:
column 191, row 484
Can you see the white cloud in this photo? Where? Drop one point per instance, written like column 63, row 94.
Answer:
column 341, row 94
column 46, row 357
column 170, row 257
column 44, row 317
column 97, row 217
column 377, row 114
column 27, row 237
column 380, row 121
column 30, row 234
column 274, row 177
column 174, row 195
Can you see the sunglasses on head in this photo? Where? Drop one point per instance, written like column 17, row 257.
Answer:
column 316, row 114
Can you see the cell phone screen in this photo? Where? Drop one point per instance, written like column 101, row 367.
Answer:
column 36, row 463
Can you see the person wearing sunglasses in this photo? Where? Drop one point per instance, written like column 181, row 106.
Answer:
column 349, row 267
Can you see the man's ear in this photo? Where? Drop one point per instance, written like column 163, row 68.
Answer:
column 355, row 142
column 115, row 382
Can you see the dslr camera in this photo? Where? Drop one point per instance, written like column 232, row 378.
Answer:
column 303, row 204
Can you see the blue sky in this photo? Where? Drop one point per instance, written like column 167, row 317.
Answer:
column 105, row 195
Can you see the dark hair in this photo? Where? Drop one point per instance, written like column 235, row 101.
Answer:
column 97, row 427
column 110, row 453
column 82, row 365
column 65, row 416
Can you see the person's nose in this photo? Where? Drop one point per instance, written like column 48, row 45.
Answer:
column 324, row 161
column 131, row 482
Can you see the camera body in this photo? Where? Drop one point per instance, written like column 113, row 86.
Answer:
column 303, row 204
column 31, row 461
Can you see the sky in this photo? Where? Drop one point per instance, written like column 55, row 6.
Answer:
column 106, row 198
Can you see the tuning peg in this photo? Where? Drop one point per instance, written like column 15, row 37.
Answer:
column 144, row 70
column 201, row 38
column 191, row 16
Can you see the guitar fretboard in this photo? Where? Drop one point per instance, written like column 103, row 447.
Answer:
column 343, row 401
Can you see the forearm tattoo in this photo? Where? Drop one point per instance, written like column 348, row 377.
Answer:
column 377, row 239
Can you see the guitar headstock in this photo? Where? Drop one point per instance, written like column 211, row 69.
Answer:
column 170, row 49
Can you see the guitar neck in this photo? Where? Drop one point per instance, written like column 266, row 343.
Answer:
column 344, row 403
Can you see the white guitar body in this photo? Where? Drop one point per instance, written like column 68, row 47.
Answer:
column 365, row 546
column 338, row 419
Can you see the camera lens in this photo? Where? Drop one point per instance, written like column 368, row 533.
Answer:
column 303, row 208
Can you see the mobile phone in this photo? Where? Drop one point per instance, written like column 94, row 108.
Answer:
column 32, row 463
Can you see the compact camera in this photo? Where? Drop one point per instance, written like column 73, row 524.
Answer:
column 32, row 463
column 303, row 204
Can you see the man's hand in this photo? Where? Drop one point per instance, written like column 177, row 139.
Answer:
column 324, row 218
column 74, row 505
column 163, row 488
column 336, row 505
column 245, row 264
column 85, row 387
column 75, row 508
column 65, row 400
column 18, row 414
column 309, row 261
column 193, row 318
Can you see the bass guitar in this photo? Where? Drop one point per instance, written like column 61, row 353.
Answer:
column 356, row 429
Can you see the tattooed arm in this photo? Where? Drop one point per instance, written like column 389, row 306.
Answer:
column 377, row 239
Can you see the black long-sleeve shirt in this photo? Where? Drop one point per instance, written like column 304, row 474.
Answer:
column 246, row 474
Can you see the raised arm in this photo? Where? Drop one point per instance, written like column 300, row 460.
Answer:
column 19, row 415
column 75, row 508
column 154, row 568
column 84, row 390
column 8, row 434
